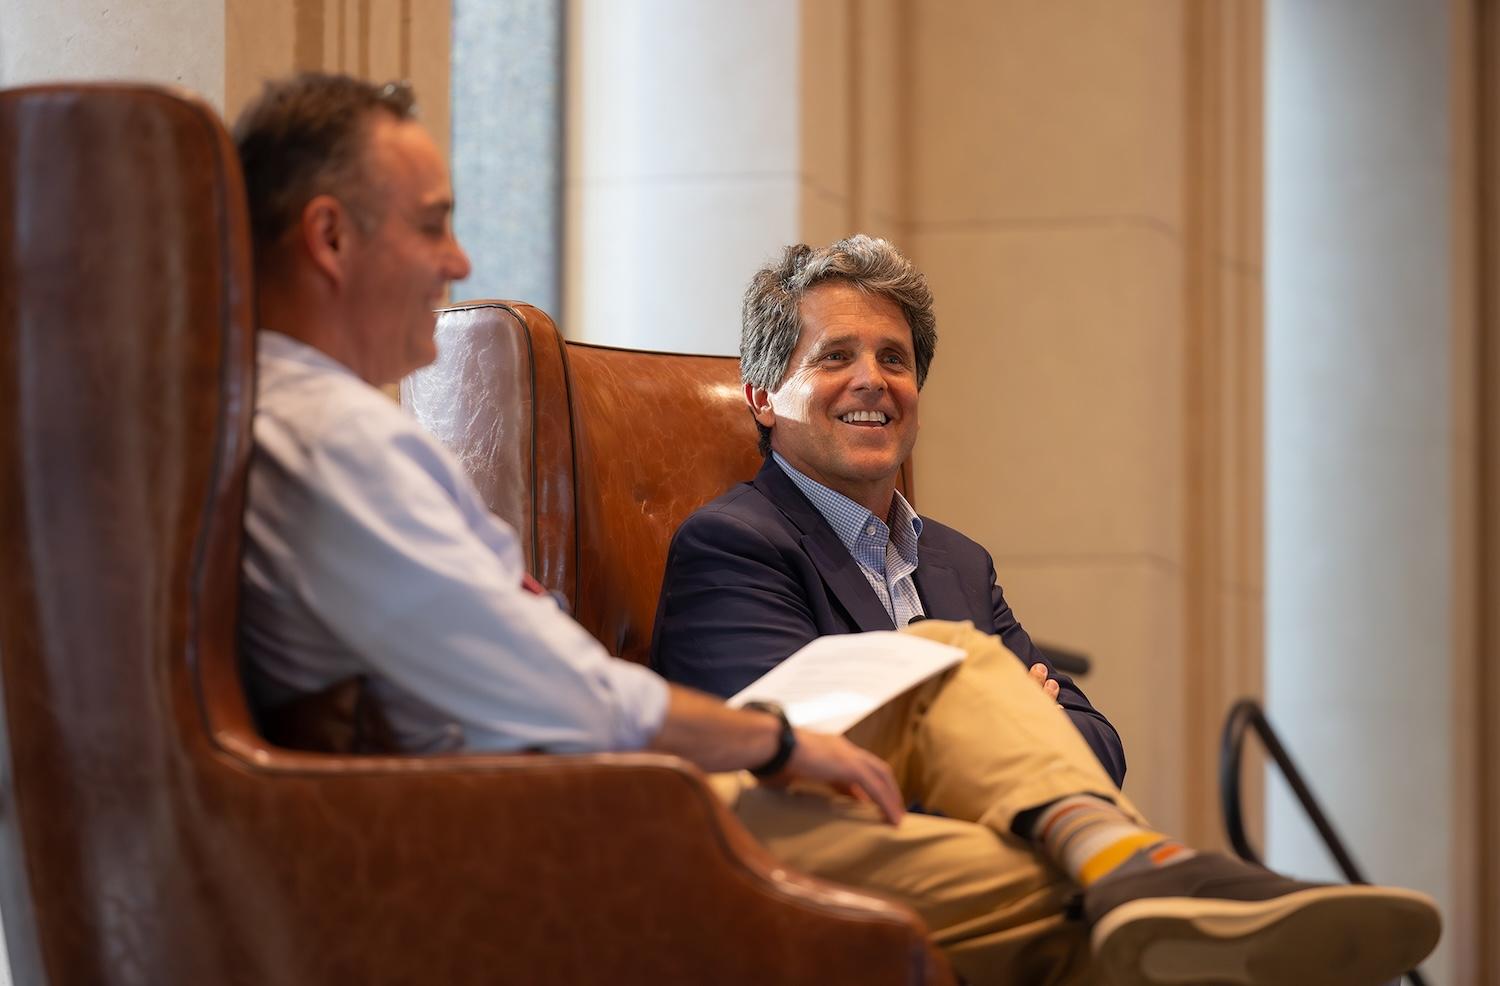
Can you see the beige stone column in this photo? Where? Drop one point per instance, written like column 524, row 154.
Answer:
column 702, row 138
column 1222, row 519
column 1077, row 189
column 852, row 99
column 374, row 39
column 684, row 167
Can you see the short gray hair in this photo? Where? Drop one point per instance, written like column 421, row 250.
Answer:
column 772, row 315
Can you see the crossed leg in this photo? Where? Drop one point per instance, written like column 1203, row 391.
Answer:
column 979, row 745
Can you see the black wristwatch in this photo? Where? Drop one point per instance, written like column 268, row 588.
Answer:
column 786, row 743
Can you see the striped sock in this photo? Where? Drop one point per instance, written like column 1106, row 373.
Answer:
column 1090, row 838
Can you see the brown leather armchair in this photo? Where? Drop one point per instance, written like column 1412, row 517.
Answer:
column 148, row 834
column 595, row 454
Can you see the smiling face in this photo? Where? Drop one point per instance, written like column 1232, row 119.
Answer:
column 401, row 267
column 845, row 412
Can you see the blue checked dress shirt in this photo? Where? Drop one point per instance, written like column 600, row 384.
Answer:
column 886, row 555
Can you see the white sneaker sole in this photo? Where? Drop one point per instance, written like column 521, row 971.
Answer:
column 1328, row 936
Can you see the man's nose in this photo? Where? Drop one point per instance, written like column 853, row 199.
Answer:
column 867, row 372
column 458, row 262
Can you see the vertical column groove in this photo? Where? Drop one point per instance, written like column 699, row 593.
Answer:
column 308, row 26
column 1480, row 962
column 1221, row 358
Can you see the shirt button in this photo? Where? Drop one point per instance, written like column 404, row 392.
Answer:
column 870, row 529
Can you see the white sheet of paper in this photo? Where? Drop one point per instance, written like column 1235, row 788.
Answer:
column 836, row 681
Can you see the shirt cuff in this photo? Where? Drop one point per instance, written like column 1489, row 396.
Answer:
column 641, row 704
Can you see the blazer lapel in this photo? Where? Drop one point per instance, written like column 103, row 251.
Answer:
column 939, row 586
column 844, row 579
column 840, row 573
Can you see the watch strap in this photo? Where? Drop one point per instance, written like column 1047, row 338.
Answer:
column 786, row 741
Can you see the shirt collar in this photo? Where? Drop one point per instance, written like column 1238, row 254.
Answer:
column 275, row 345
column 850, row 520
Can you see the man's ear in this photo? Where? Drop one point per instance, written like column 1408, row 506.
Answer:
column 325, row 230
column 759, row 400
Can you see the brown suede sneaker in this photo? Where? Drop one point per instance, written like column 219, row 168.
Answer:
column 1215, row 920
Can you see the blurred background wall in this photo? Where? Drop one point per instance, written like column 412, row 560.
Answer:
column 1211, row 279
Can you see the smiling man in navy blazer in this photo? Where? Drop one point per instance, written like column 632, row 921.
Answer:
column 834, row 350
column 835, row 346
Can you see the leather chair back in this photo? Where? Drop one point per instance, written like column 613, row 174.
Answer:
column 595, row 454
column 125, row 384
column 149, row 836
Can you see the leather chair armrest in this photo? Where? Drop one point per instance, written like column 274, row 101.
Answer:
column 613, row 867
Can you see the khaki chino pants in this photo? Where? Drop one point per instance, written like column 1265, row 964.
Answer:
column 979, row 745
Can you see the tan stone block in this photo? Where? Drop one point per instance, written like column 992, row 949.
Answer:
column 381, row 39
column 428, row 46
column 824, row 216
column 1220, row 671
column 1241, row 452
column 272, row 39
column 881, row 90
column 259, row 44
column 851, row 88
column 1053, row 416
column 1126, row 614
column 1241, row 125
column 826, row 124
column 1023, row 110
column 1246, row 635
column 340, row 44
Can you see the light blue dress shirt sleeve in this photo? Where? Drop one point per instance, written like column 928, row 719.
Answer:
column 369, row 551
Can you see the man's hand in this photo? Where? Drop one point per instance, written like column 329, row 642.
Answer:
column 846, row 768
column 1038, row 674
column 716, row 737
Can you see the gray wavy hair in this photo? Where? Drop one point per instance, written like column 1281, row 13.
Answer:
column 771, row 321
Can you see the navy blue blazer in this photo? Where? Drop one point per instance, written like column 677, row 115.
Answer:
column 757, row 573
